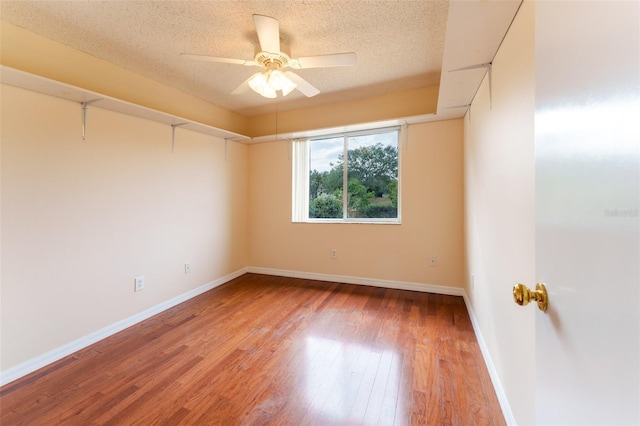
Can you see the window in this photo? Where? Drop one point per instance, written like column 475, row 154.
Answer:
column 366, row 190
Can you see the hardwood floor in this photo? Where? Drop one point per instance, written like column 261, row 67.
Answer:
column 272, row 350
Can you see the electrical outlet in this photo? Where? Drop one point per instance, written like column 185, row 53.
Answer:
column 187, row 268
column 433, row 261
column 334, row 254
column 138, row 283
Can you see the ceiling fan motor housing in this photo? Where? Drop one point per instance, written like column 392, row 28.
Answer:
column 272, row 60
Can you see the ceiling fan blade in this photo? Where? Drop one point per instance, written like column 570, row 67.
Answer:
column 303, row 85
column 218, row 59
column 324, row 61
column 268, row 30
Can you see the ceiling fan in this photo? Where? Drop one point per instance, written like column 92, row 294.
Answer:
column 273, row 78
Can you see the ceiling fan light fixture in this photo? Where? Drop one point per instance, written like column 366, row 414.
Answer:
column 268, row 92
column 258, row 84
column 257, row 81
column 269, row 82
column 276, row 79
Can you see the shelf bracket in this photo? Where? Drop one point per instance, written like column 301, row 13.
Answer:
column 85, row 106
column 173, row 135
column 466, row 106
column 487, row 66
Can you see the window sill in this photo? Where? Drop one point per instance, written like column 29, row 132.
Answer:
column 352, row 222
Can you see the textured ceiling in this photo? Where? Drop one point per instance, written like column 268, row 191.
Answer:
column 399, row 44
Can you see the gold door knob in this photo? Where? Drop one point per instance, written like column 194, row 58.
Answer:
column 523, row 295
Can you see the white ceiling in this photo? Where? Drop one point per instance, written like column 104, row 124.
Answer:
column 399, row 44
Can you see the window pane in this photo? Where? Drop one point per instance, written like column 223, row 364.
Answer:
column 326, row 178
column 372, row 168
column 368, row 190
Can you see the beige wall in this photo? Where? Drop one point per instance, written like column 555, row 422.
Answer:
column 432, row 217
column 81, row 219
column 500, row 223
column 376, row 108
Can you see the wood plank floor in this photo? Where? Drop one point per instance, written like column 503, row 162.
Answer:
column 271, row 350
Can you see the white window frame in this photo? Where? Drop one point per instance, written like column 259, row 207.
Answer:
column 300, row 160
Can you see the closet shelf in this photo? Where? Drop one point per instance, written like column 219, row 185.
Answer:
column 25, row 80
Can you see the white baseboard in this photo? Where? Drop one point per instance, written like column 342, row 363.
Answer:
column 399, row 285
column 493, row 373
column 47, row 358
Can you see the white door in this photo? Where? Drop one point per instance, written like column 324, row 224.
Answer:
column 587, row 212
